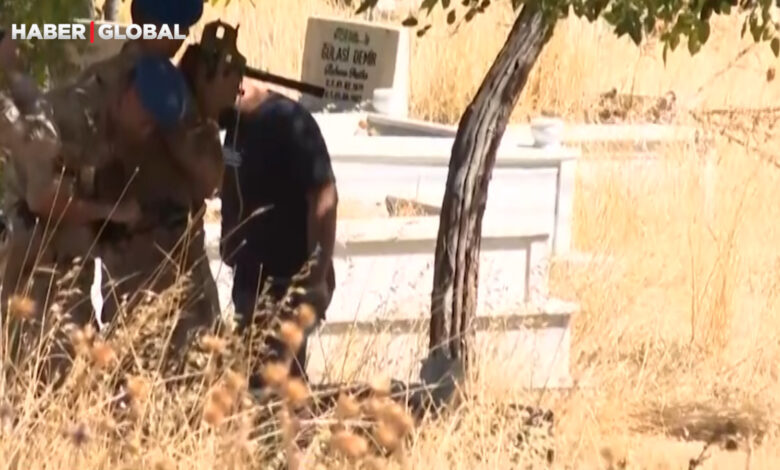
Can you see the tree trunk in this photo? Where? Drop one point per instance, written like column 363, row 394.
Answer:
column 456, row 266
column 111, row 10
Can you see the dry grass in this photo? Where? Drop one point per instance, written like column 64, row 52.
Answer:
column 677, row 338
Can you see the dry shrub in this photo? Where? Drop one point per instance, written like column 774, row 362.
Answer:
column 677, row 334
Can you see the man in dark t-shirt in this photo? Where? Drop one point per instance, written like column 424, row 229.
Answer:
column 276, row 158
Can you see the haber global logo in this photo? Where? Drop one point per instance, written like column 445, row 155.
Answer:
column 70, row 31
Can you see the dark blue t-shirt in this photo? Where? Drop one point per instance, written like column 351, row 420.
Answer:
column 282, row 157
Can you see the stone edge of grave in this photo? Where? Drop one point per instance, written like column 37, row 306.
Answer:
column 360, row 123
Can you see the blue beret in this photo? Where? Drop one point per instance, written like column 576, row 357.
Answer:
column 162, row 90
column 171, row 12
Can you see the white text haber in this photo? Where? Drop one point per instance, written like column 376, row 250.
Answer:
column 106, row 31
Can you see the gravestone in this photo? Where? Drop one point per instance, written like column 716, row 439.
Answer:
column 351, row 59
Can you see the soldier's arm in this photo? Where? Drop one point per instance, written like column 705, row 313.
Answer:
column 50, row 189
column 58, row 203
column 197, row 150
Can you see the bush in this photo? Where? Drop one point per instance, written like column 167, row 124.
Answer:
column 47, row 60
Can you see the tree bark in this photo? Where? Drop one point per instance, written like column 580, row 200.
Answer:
column 456, row 265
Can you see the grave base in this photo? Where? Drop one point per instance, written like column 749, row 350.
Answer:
column 527, row 350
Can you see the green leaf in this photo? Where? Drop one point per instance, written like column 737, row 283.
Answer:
column 694, row 45
column 755, row 29
column 594, row 8
column 410, row 22
column 421, row 32
column 674, row 41
column 775, row 45
column 428, row 5
column 703, row 31
column 451, row 17
column 365, row 5
column 649, row 24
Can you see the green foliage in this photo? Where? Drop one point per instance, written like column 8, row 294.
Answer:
column 672, row 21
column 46, row 59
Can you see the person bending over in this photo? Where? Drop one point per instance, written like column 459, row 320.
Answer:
column 281, row 161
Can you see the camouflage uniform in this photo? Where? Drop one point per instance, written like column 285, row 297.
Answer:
column 58, row 140
column 114, row 70
column 169, row 242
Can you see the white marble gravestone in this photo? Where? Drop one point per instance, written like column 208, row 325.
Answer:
column 351, row 59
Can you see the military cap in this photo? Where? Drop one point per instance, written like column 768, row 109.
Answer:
column 162, row 90
column 171, row 12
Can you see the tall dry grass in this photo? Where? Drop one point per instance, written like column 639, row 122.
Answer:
column 677, row 338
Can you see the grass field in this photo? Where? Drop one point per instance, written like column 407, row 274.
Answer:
column 676, row 341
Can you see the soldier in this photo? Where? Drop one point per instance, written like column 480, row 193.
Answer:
column 183, row 13
column 51, row 169
column 177, row 171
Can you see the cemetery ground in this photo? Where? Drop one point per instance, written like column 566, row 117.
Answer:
column 676, row 342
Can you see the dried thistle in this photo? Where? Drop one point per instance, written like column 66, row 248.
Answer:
column 380, row 386
column 89, row 333
column 394, row 415
column 138, row 389
column 222, row 399
column 347, row 407
column 108, row 425
column 292, row 335
column 234, row 381
column 349, row 444
column 296, row 393
column 213, row 344
column 387, row 435
column 275, row 373
column 103, row 355
column 372, row 407
column 21, row 307
column 306, row 315
column 213, row 414
column 79, row 341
